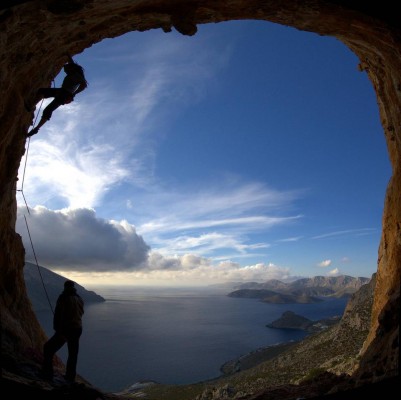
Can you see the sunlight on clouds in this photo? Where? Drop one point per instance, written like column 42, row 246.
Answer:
column 207, row 243
column 186, row 270
column 76, row 243
column 78, row 176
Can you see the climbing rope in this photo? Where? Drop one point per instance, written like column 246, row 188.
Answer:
column 27, row 149
column 26, row 204
column 34, row 254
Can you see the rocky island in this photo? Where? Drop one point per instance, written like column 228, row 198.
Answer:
column 290, row 320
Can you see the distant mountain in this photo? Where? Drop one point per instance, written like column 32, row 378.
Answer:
column 305, row 290
column 54, row 285
column 269, row 296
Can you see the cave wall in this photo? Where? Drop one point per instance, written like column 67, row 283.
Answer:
column 36, row 34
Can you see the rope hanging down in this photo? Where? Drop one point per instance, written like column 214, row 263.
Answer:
column 41, row 277
column 26, row 222
column 26, row 156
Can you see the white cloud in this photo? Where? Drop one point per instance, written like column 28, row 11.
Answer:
column 69, row 175
column 207, row 243
column 190, row 268
column 218, row 222
column 325, row 263
column 226, row 204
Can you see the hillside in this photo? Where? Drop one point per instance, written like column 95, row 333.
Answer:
column 54, row 284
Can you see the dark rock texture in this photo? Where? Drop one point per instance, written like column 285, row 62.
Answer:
column 36, row 34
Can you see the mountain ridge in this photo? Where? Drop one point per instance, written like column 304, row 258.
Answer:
column 44, row 286
column 304, row 290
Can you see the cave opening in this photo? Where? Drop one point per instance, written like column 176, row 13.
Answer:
column 35, row 36
column 64, row 119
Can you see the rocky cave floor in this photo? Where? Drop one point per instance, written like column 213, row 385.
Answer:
column 25, row 381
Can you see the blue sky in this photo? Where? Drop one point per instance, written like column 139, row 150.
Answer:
column 249, row 151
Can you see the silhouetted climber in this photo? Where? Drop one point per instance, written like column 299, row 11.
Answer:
column 67, row 324
column 73, row 83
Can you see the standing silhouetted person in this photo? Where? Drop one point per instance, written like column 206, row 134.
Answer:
column 67, row 323
column 73, row 83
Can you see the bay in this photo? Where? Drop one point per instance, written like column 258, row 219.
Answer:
column 175, row 335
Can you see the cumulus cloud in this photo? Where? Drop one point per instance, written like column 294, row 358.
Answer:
column 324, row 263
column 75, row 239
column 193, row 268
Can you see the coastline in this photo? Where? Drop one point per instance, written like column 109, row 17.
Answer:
column 254, row 358
column 244, row 362
column 263, row 354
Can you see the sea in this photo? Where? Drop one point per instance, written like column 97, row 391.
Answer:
column 175, row 335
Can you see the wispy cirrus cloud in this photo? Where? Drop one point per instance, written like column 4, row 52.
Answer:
column 354, row 232
column 111, row 132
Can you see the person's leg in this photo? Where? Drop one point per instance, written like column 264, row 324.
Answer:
column 42, row 93
column 73, row 349
column 49, row 349
column 45, row 93
column 46, row 115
